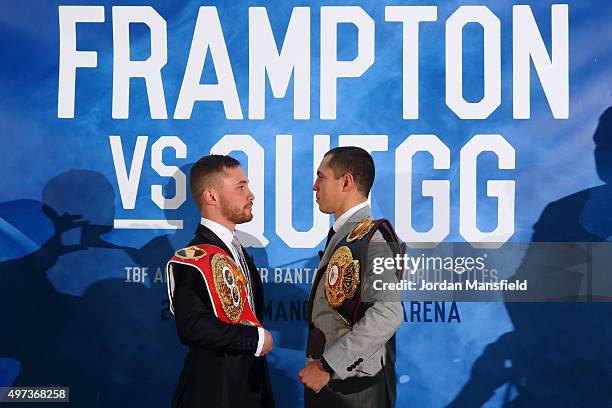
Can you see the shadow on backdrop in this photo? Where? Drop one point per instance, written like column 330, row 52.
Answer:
column 73, row 319
column 559, row 353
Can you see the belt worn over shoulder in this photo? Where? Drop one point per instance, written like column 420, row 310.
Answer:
column 225, row 283
column 345, row 272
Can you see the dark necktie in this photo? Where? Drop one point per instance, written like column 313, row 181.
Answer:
column 330, row 234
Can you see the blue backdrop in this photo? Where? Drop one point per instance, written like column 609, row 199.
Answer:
column 83, row 301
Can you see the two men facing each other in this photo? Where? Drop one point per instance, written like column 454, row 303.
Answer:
column 217, row 296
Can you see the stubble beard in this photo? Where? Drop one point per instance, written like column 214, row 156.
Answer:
column 235, row 214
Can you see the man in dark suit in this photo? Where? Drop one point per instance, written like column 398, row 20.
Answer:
column 225, row 365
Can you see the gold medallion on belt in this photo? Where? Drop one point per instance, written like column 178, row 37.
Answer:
column 192, row 253
column 361, row 230
column 229, row 285
column 341, row 277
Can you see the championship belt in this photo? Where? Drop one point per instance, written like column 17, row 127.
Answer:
column 345, row 272
column 341, row 277
column 225, row 283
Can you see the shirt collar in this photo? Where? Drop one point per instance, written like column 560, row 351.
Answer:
column 219, row 230
column 344, row 217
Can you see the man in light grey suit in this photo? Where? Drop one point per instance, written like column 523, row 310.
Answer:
column 351, row 333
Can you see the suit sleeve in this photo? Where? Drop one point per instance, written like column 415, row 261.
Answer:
column 196, row 322
column 379, row 323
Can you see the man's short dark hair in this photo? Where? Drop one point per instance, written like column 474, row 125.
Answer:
column 204, row 172
column 356, row 161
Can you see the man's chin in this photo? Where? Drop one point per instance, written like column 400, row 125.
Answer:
column 246, row 217
column 324, row 210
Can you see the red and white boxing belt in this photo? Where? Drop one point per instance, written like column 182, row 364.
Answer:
column 225, row 283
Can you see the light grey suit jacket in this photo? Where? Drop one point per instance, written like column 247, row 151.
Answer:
column 358, row 351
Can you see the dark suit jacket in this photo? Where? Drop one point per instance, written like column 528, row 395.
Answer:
column 220, row 369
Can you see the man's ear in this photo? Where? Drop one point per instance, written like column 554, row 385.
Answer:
column 209, row 196
column 348, row 182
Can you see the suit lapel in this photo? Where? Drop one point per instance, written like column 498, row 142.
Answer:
column 346, row 228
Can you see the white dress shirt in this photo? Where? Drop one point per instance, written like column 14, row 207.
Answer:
column 226, row 236
column 342, row 219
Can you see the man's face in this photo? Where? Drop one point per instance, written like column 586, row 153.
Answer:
column 235, row 197
column 328, row 188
